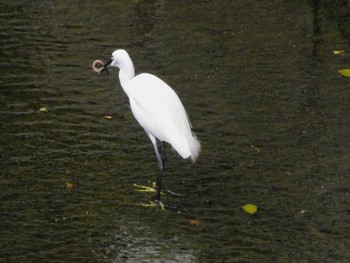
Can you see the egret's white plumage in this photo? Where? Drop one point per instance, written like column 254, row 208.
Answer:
column 158, row 110
column 156, row 107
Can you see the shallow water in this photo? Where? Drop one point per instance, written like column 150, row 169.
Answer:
column 260, row 84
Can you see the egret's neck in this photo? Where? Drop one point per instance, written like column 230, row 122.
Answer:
column 126, row 72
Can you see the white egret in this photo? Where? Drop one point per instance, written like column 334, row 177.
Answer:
column 157, row 108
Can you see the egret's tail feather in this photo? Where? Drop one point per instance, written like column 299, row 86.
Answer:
column 188, row 147
column 195, row 147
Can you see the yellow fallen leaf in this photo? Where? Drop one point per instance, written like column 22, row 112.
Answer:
column 250, row 208
column 43, row 109
column 69, row 185
column 108, row 117
column 345, row 72
column 338, row 52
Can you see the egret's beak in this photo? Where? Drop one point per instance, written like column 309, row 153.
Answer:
column 106, row 66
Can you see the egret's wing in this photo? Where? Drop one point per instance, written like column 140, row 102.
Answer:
column 160, row 112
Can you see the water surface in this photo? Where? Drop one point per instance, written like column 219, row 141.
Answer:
column 260, row 83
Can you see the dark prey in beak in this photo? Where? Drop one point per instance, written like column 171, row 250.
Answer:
column 105, row 67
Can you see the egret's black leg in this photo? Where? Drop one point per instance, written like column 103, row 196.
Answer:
column 159, row 178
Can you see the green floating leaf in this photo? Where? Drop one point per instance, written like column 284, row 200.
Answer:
column 338, row 52
column 43, row 109
column 345, row 72
column 250, row 208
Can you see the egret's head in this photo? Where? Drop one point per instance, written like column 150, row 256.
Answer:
column 119, row 57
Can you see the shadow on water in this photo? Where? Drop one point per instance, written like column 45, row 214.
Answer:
column 260, row 83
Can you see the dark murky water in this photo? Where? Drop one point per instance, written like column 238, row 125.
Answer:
column 260, row 83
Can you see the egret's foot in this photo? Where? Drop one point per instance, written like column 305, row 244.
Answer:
column 153, row 204
column 158, row 202
column 173, row 193
column 145, row 189
column 150, row 204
